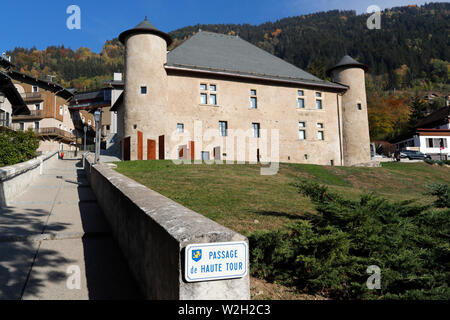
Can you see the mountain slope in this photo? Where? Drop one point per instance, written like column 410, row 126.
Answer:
column 410, row 49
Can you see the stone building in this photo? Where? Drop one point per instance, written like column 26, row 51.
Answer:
column 199, row 100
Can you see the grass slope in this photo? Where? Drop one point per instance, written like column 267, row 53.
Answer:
column 238, row 197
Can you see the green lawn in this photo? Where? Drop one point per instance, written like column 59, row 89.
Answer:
column 238, row 197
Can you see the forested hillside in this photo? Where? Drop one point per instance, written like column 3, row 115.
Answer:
column 407, row 56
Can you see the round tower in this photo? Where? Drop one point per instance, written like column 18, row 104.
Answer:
column 146, row 88
column 355, row 122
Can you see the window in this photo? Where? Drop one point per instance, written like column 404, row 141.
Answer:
column 436, row 143
column 256, row 130
column 253, row 103
column 36, row 125
column 180, row 127
column 302, row 130
column 359, row 106
column 301, row 99
column 320, row 125
column 319, row 105
column 37, row 106
column 302, row 134
column 203, row 98
column 320, row 135
column 223, row 128
column 212, row 94
column 213, row 99
column 35, row 89
column 143, row 90
column 22, row 126
column 253, row 100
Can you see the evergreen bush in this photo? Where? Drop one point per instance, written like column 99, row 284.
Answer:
column 329, row 253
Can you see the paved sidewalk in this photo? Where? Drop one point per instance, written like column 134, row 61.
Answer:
column 54, row 227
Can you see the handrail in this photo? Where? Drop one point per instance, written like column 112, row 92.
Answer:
column 54, row 131
column 31, row 95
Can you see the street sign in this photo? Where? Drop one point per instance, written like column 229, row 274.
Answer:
column 216, row 261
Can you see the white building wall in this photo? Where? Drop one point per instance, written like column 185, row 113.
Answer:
column 426, row 150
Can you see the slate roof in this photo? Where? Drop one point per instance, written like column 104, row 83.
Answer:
column 348, row 61
column 145, row 27
column 214, row 52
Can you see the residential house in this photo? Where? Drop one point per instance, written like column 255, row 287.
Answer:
column 49, row 113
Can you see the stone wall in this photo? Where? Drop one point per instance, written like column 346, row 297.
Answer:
column 153, row 232
column 14, row 179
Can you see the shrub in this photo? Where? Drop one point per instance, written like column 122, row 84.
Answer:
column 439, row 162
column 17, row 146
column 330, row 252
column 442, row 192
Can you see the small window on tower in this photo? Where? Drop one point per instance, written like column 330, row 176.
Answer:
column 143, row 90
column 359, row 106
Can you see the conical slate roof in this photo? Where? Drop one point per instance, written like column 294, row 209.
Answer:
column 145, row 27
column 348, row 62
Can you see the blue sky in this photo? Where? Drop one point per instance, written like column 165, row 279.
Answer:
column 29, row 23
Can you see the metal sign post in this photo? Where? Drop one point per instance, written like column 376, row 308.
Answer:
column 98, row 131
column 85, row 131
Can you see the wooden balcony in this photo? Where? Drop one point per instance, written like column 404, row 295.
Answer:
column 55, row 134
column 32, row 97
column 34, row 115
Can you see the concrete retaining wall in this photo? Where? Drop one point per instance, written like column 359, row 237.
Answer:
column 14, row 179
column 153, row 232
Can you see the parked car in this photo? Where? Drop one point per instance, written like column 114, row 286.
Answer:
column 413, row 155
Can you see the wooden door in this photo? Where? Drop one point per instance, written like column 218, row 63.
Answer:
column 192, row 149
column 151, row 149
column 127, row 149
column 161, row 146
column 140, row 138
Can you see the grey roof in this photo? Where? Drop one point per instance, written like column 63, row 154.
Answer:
column 346, row 62
column 223, row 53
column 145, row 27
